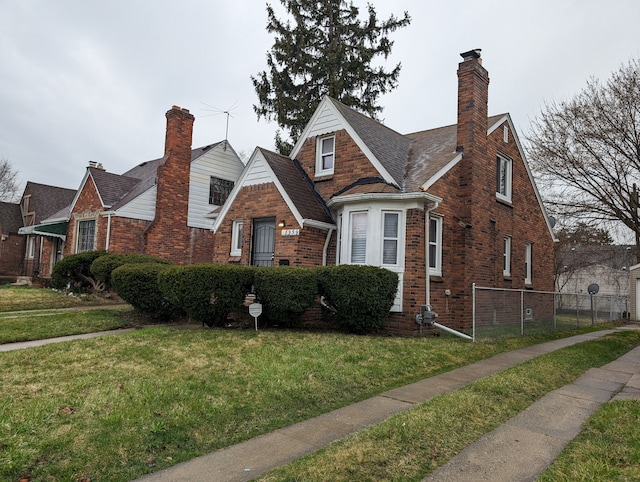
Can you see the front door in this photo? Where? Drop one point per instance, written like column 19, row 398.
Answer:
column 263, row 241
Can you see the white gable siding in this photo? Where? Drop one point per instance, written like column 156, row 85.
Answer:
column 258, row 174
column 143, row 207
column 326, row 122
column 218, row 162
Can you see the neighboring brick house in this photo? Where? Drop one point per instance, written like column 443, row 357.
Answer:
column 444, row 208
column 43, row 242
column 12, row 245
column 163, row 207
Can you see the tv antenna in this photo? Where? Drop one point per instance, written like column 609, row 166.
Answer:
column 216, row 111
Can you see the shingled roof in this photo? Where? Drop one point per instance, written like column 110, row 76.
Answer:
column 413, row 159
column 47, row 200
column 10, row 217
column 298, row 186
column 388, row 146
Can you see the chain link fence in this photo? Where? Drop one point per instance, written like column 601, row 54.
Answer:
column 499, row 312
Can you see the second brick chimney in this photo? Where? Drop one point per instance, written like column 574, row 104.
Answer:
column 168, row 235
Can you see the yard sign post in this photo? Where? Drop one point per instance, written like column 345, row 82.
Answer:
column 255, row 310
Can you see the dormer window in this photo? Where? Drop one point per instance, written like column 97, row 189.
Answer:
column 325, row 155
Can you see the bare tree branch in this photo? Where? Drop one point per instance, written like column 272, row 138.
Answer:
column 586, row 151
column 8, row 181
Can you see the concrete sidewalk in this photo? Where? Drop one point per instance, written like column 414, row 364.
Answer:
column 85, row 336
column 518, row 450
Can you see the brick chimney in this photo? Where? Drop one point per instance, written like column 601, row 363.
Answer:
column 473, row 94
column 168, row 235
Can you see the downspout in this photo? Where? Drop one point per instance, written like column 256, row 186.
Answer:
column 427, row 225
column 325, row 248
column 106, row 248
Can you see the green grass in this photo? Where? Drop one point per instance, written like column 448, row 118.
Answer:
column 16, row 327
column 22, row 298
column 608, row 448
column 114, row 408
column 411, row 445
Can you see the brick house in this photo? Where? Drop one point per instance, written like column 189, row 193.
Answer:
column 43, row 242
column 443, row 208
column 12, row 245
column 164, row 207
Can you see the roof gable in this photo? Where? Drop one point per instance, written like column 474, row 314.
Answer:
column 297, row 190
column 382, row 146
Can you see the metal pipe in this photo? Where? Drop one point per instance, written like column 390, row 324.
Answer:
column 452, row 331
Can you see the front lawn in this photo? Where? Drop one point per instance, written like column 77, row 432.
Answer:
column 16, row 327
column 24, row 298
column 114, row 408
column 109, row 407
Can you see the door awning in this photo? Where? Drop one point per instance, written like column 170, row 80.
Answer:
column 55, row 230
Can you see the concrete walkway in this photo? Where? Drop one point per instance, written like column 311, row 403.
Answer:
column 516, row 451
column 85, row 336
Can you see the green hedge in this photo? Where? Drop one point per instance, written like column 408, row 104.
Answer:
column 102, row 267
column 361, row 295
column 207, row 292
column 285, row 292
column 137, row 284
column 74, row 272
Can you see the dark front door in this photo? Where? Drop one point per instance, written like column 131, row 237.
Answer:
column 264, row 230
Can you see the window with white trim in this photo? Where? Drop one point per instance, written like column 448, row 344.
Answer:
column 86, row 235
column 504, row 168
column 506, row 268
column 358, row 241
column 325, row 155
column 528, row 259
column 31, row 247
column 236, row 238
column 435, row 245
column 390, row 236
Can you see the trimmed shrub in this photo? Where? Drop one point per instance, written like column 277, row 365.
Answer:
column 137, row 284
column 361, row 295
column 102, row 267
column 74, row 272
column 285, row 292
column 207, row 292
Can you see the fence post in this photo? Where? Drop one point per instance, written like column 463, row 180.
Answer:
column 473, row 311
column 522, row 313
column 555, row 310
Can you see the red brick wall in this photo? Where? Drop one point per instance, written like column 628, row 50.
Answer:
column 350, row 164
column 12, row 251
column 127, row 235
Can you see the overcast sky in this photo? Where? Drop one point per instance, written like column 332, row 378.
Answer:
column 88, row 81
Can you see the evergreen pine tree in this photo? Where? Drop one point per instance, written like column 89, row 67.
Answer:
column 324, row 49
